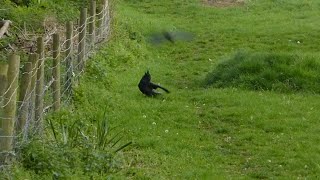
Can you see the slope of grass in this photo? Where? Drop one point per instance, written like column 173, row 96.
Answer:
column 262, row 71
column 205, row 133
column 197, row 132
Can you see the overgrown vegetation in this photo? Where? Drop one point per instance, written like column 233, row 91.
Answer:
column 74, row 147
column 199, row 132
column 37, row 11
column 267, row 71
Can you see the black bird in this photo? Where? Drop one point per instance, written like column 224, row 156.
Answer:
column 147, row 87
column 158, row 38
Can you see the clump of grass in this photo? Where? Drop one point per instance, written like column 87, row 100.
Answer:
column 267, row 71
column 74, row 146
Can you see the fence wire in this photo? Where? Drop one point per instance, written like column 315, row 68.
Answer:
column 70, row 71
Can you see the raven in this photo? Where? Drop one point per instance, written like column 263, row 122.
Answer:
column 147, row 87
column 170, row 36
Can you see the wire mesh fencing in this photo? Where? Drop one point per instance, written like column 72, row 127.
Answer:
column 45, row 81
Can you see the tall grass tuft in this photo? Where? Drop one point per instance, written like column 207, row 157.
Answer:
column 85, row 145
column 267, row 71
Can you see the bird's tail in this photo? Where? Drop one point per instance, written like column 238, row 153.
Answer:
column 166, row 90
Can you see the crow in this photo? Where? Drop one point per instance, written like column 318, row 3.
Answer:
column 171, row 36
column 147, row 87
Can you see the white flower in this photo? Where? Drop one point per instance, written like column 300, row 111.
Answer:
column 166, row 131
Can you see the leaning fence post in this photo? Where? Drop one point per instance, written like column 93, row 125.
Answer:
column 39, row 85
column 92, row 23
column 82, row 40
column 56, row 72
column 69, row 58
column 25, row 87
column 9, row 113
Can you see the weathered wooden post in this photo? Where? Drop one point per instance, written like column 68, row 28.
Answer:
column 69, row 58
column 39, row 85
column 3, row 88
column 104, row 18
column 92, row 23
column 100, row 22
column 9, row 109
column 33, row 59
column 107, row 16
column 82, row 40
column 56, row 72
column 25, row 87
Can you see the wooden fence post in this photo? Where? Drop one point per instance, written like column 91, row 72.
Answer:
column 107, row 15
column 3, row 88
column 69, row 58
column 56, row 72
column 33, row 58
column 104, row 19
column 25, row 87
column 9, row 113
column 99, row 21
column 92, row 23
column 82, row 40
column 39, row 85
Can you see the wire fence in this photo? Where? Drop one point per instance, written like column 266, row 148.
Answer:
column 46, row 80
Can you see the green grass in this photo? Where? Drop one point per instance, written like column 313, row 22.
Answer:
column 198, row 132
column 263, row 71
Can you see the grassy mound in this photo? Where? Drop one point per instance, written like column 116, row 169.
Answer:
column 267, row 71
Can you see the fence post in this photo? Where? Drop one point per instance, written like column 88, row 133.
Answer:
column 24, row 96
column 82, row 40
column 69, row 58
column 99, row 21
column 107, row 15
column 3, row 87
column 33, row 58
column 56, row 72
column 9, row 115
column 39, row 85
column 104, row 19
column 92, row 23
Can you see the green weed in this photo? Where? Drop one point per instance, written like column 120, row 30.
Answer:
column 76, row 146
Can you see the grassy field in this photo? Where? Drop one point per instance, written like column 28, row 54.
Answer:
column 198, row 131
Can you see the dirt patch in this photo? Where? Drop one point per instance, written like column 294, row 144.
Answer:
column 224, row 3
